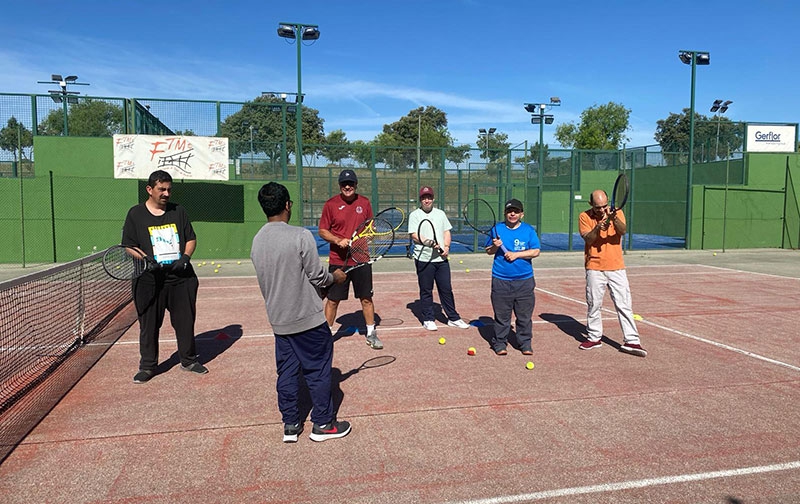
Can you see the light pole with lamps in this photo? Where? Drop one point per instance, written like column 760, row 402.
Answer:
column 719, row 107
column 486, row 134
column 252, row 163
column 61, row 95
column 692, row 58
column 283, row 107
column 538, row 116
column 299, row 32
column 483, row 132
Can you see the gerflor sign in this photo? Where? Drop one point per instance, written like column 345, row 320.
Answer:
column 771, row 138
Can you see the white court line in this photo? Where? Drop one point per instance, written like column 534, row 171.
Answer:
column 248, row 336
column 628, row 485
column 687, row 335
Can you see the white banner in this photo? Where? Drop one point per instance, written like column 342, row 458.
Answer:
column 183, row 157
column 771, row 138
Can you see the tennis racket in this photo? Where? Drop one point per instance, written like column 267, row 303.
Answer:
column 480, row 216
column 426, row 234
column 127, row 263
column 381, row 360
column 370, row 242
column 620, row 195
column 394, row 215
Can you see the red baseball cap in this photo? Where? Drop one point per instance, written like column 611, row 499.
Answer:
column 425, row 191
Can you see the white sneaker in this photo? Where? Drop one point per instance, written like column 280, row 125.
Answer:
column 458, row 323
column 430, row 325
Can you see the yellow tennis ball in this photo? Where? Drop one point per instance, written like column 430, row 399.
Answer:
column 529, row 365
column 467, row 270
column 715, row 253
column 460, row 262
column 216, row 271
column 238, row 262
column 204, row 263
column 442, row 341
column 636, row 316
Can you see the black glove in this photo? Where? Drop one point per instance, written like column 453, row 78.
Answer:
column 151, row 264
column 181, row 264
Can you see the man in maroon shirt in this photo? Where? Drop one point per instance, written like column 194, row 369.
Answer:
column 341, row 215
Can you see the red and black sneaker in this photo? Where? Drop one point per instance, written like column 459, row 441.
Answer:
column 330, row 430
column 588, row 345
column 634, row 349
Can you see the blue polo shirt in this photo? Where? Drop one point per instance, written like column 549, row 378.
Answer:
column 515, row 240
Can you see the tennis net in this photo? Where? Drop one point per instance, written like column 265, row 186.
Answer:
column 54, row 326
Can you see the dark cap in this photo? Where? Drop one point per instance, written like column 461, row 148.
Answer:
column 425, row 191
column 514, row 203
column 348, row 176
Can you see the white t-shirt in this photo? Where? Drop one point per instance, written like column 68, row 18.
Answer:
column 440, row 224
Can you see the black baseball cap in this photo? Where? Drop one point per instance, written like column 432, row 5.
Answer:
column 348, row 176
column 514, row 203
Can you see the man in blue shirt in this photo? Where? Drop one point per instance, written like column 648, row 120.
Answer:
column 512, row 278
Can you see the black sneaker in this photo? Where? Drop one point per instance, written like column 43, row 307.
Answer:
column 291, row 431
column 195, row 367
column 142, row 376
column 331, row 430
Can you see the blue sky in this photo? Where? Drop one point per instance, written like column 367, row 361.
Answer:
column 479, row 61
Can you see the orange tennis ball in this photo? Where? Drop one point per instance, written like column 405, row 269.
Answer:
column 471, row 351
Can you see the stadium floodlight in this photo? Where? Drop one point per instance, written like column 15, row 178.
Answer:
column 692, row 58
column 62, row 95
column 538, row 116
column 305, row 32
column 719, row 107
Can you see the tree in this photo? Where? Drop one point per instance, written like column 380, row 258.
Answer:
column 494, row 148
column 458, row 154
column 601, row 127
column 265, row 115
column 89, row 117
column 14, row 135
column 426, row 125
column 337, row 147
column 672, row 134
column 362, row 152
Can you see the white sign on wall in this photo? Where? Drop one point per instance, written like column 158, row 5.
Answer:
column 771, row 138
column 183, row 157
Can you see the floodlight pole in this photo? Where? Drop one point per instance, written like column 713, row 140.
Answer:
column 299, row 32
column 719, row 107
column 537, row 111
column 690, row 58
column 63, row 94
column 252, row 164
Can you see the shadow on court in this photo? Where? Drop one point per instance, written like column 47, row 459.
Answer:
column 573, row 328
column 352, row 323
column 209, row 345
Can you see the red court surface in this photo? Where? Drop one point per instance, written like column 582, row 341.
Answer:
column 712, row 414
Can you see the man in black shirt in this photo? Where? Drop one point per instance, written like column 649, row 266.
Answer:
column 162, row 230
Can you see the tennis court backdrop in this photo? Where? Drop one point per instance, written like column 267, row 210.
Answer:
column 64, row 203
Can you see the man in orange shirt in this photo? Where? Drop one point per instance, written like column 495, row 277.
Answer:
column 602, row 232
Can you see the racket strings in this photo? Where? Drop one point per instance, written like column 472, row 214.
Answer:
column 393, row 216
column 479, row 216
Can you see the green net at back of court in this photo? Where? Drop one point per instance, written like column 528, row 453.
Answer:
column 54, row 325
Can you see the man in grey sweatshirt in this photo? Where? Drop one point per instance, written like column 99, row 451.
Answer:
column 293, row 282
